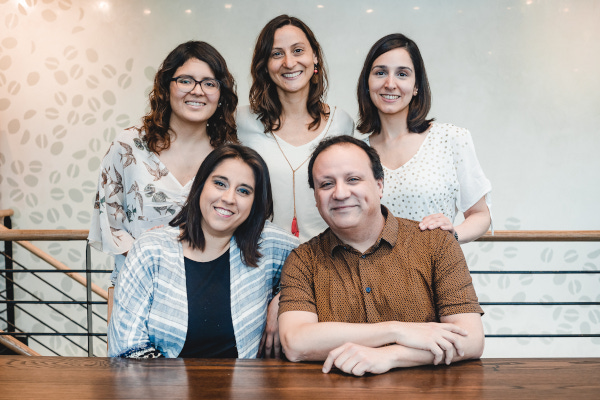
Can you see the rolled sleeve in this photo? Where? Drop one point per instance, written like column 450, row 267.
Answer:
column 453, row 286
column 297, row 282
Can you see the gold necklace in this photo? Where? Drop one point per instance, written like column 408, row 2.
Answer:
column 295, row 230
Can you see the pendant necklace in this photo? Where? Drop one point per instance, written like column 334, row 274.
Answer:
column 295, row 230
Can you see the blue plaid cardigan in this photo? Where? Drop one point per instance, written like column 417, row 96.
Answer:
column 150, row 310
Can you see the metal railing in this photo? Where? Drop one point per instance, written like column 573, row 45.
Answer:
column 540, row 236
column 7, row 297
column 21, row 236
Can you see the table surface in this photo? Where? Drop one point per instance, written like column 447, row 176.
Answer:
column 23, row 377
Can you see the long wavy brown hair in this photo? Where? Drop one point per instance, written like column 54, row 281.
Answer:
column 264, row 100
column 221, row 125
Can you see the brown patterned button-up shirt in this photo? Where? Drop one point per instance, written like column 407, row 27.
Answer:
column 408, row 275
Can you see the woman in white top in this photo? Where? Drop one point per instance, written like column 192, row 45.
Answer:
column 287, row 117
column 146, row 175
column 431, row 170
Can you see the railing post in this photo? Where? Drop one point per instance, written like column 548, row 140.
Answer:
column 88, row 287
column 10, row 287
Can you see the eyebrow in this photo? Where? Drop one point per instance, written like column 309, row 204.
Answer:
column 293, row 45
column 221, row 177
column 357, row 174
column 227, row 179
column 386, row 67
column 247, row 186
column 201, row 79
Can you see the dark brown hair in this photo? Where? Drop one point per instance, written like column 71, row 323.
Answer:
column 264, row 100
column 368, row 121
column 221, row 125
column 189, row 219
column 376, row 167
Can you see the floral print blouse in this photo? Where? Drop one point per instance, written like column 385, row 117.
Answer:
column 136, row 192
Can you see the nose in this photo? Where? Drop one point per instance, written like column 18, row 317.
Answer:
column 228, row 196
column 390, row 82
column 288, row 61
column 341, row 192
column 197, row 89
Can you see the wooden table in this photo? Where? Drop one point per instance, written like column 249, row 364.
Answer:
column 24, row 377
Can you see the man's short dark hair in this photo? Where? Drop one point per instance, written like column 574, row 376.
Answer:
column 376, row 167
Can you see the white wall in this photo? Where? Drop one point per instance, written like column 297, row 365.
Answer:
column 521, row 75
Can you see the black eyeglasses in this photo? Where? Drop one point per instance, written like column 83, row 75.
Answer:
column 186, row 84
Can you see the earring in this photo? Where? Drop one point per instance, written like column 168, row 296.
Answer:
column 219, row 105
column 416, row 91
column 315, row 78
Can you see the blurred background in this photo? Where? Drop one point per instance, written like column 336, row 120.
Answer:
column 521, row 75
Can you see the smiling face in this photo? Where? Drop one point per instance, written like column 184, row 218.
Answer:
column 392, row 83
column 227, row 197
column 291, row 64
column 195, row 106
column 347, row 194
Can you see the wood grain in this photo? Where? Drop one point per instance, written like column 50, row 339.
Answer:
column 92, row 378
column 16, row 346
column 541, row 236
column 43, row 234
column 6, row 213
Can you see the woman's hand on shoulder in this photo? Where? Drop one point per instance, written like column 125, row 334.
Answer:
column 477, row 222
column 435, row 221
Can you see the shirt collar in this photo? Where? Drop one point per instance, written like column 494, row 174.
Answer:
column 389, row 234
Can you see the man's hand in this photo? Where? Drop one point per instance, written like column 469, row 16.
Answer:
column 270, row 346
column 443, row 340
column 357, row 360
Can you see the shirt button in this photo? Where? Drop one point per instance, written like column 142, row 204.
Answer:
column 368, row 290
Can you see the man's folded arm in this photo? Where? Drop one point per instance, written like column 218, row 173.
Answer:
column 473, row 343
column 304, row 338
column 455, row 338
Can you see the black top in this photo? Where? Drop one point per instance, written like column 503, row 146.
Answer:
column 210, row 328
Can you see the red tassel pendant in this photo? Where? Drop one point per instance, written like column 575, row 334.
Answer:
column 295, row 230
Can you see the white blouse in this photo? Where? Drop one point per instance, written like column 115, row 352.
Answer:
column 251, row 134
column 444, row 176
column 136, row 192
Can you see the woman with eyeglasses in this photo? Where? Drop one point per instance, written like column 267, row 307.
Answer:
column 146, row 175
column 200, row 287
column 288, row 116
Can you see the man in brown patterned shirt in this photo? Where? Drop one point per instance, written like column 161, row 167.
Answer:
column 373, row 292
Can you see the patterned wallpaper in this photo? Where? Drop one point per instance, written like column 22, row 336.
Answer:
column 521, row 75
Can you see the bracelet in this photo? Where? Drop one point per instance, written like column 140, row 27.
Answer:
column 456, row 236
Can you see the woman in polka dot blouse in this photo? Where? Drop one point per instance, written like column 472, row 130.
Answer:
column 431, row 170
